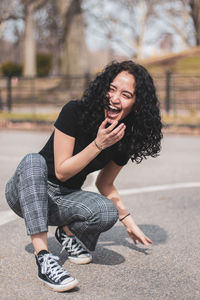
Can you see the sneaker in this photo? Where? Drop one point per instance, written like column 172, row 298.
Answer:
column 52, row 274
column 76, row 251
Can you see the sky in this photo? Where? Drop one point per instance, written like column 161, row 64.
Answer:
column 122, row 41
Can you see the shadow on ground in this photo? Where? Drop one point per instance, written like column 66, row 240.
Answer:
column 117, row 236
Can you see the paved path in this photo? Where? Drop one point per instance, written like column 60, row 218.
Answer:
column 163, row 196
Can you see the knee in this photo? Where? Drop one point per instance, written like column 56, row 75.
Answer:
column 105, row 213
column 34, row 160
column 111, row 215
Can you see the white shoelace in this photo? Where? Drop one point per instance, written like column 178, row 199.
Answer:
column 75, row 248
column 51, row 267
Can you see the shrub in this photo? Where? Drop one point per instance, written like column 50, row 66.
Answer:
column 44, row 64
column 11, row 69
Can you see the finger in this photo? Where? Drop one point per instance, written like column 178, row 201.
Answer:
column 103, row 124
column 143, row 240
column 145, row 243
column 111, row 127
column 148, row 240
column 119, row 135
column 134, row 240
column 118, row 129
column 117, row 138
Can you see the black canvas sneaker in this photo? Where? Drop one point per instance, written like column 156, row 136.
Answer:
column 52, row 274
column 76, row 251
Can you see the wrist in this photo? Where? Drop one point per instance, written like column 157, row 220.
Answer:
column 99, row 147
column 124, row 217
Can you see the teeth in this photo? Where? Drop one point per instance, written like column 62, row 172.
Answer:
column 114, row 108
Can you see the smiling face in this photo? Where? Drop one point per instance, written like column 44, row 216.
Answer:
column 121, row 97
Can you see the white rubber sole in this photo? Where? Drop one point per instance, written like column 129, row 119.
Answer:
column 80, row 261
column 60, row 288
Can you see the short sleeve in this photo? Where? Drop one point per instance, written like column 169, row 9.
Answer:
column 120, row 158
column 67, row 119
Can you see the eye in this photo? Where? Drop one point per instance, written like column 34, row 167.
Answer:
column 111, row 89
column 127, row 96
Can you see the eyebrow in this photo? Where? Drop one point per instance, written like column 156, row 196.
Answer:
column 131, row 94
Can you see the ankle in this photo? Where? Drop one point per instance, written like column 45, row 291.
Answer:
column 44, row 251
column 67, row 231
column 39, row 241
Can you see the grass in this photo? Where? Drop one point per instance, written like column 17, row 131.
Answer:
column 190, row 118
column 183, row 62
column 28, row 117
column 188, row 65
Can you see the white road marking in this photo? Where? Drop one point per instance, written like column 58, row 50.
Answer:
column 9, row 158
column 156, row 188
column 8, row 215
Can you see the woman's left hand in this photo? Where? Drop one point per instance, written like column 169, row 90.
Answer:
column 135, row 232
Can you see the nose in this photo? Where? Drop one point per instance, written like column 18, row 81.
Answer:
column 115, row 97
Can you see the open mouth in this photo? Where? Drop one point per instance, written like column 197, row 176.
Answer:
column 113, row 109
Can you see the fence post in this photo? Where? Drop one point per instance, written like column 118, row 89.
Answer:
column 1, row 103
column 87, row 79
column 9, row 93
column 168, row 90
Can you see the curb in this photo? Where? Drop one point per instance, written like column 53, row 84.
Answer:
column 40, row 125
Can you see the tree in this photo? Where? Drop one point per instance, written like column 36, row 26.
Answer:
column 176, row 15
column 183, row 17
column 127, row 29
column 9, row 10
column 61, row 30
column 50, row 32
column 74, row 56
column 30, row 6
column 195, row 15
column 142, row 13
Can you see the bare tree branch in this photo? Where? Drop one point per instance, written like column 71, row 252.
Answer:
column 195, row 14
column 10, row 9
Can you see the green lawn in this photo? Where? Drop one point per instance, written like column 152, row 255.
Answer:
column 186, row 62
column 28, row 117
column 191, row 118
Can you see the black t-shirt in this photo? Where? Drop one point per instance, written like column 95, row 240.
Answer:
column 67, row 123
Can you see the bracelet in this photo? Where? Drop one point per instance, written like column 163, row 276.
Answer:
column 124, row 217
column 98, row 147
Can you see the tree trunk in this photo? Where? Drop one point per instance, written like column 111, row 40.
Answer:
column 75, row 58
column 75, row 52
column 2, row 26
column 195, row 14
column 139, row 40
column 29, row 39
column 29, row 43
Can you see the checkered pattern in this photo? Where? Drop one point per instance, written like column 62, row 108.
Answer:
column 42, row 203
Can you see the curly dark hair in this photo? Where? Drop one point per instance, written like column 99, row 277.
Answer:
column 143, row 125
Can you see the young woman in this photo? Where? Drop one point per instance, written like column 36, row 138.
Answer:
column 117, row 119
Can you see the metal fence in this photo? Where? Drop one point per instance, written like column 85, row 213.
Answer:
column 176, row 92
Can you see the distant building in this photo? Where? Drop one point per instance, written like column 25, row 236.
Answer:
column 166, row 43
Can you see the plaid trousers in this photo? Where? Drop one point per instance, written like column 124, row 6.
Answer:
column 42, row 203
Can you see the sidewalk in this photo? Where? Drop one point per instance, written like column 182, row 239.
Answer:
column 120, row 270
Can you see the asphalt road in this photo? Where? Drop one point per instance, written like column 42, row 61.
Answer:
column 163, row 196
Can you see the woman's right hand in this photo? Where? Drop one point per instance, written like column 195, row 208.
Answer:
column 106, row 137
